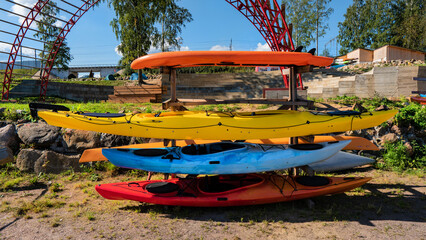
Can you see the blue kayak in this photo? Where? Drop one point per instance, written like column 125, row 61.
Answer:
column 222, row 157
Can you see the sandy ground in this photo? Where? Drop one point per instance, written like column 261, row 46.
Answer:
column 391, row 206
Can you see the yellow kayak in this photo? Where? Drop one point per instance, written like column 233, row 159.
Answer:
column 217, row 125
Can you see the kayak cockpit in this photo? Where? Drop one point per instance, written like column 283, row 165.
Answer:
column 203, row 149
column 226, row 183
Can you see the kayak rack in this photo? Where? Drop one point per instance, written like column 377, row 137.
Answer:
column 292, row 102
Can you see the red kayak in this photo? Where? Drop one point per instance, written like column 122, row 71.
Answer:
column 228, row 190
column 421, row 100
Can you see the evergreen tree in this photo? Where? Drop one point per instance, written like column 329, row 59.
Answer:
column 48, row 33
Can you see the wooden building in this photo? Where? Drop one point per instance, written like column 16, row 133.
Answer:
column 361, row 54
column 389, row 53
column 385, row 53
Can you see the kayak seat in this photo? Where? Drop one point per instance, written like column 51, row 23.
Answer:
column 162, row 187
column 312, row 181
column 306, row 147
column 344, row 113
column 192, row 149
column 150, row 152
column 105, row 115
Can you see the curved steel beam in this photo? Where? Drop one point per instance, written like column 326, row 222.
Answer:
column 87, row 4
column 20, row 35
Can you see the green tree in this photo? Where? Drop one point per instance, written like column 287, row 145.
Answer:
column 172, row 18
column 136, row 26
column 300, row 13
column 322, row 13
column 48, row 32
column 354, row 31
column 410, row 29
column 308, row 17
column 375, row 23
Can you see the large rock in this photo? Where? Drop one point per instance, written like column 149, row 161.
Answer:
column 79, row 140
column 110, row 140
column 390, row 137
column 9, row 137
column 39, row 135
column 26, row 159
column 6, row 155
column 396, row 129
column 52, row 162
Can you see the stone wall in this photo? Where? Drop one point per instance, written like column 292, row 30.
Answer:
column 223, row 85
column 75, row 92
column 391, row 82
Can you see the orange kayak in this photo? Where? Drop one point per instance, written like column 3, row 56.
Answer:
column 357, row 143
column 228, row 58
column 228, row 190
column 421, row 100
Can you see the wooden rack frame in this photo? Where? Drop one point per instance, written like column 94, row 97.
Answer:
column 292, row 102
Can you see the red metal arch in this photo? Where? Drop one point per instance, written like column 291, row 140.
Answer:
column 17, row 45
column 269, row 20
column 59, row 40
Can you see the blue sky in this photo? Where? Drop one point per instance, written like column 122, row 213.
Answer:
column 215, row 23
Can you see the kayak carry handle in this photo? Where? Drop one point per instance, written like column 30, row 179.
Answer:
column 34, row 107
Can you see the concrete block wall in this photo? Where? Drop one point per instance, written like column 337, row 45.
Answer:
column 223, row 85
column 75, row 92
column 391, row 82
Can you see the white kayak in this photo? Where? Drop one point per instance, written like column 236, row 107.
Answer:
column 341, row 161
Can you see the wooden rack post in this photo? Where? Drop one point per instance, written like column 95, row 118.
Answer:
column 173, row 97
column 293, row 96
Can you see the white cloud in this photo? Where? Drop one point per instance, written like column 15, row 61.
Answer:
column 20, row 10
column 153, row 49
column 219, row 48
column 263, row 47
column 184, row 48
column 25, row 51
column 5, row 47
column 118, row 51
column 24, row 12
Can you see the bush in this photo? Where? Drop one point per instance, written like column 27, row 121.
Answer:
column 413, row 114
column 397, row 156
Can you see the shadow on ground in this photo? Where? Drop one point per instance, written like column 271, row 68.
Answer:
column 371, row 202
column 26, row 188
